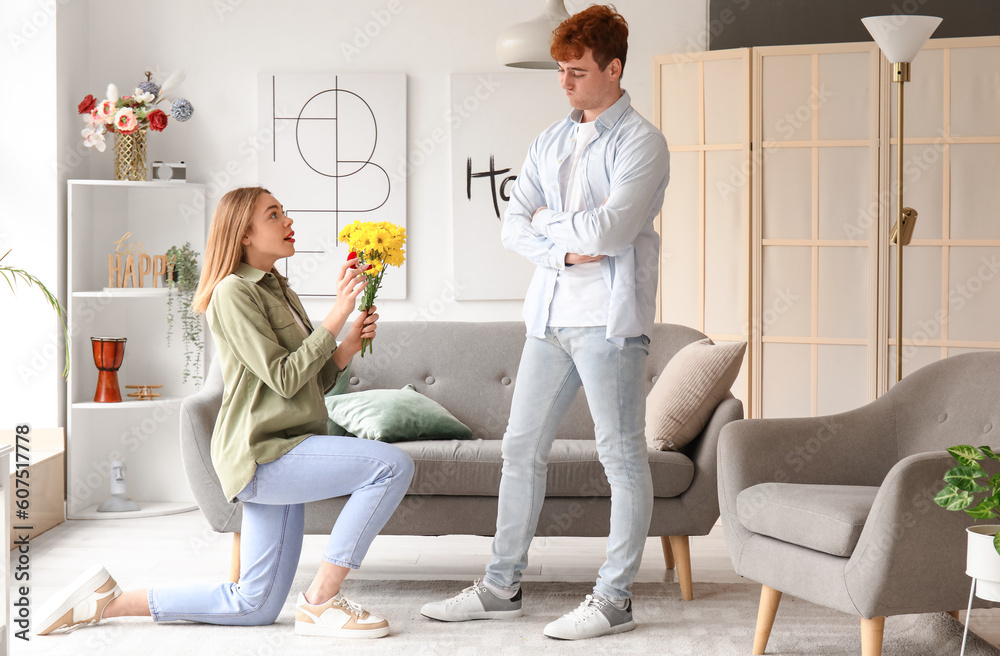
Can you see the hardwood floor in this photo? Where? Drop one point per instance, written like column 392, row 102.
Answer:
column 150, row 551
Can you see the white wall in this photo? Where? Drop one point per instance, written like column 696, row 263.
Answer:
column 31, row 358
column 223, row 44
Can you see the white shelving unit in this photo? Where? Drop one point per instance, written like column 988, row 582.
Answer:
column 143, row 434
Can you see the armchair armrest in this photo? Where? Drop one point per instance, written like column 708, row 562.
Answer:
column 911, row 550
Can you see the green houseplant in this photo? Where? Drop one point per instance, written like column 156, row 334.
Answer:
column 972, row 489
column 969, row 479
column 12, row 274
column 182, row 280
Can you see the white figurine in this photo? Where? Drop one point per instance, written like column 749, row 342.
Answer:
column 119, row 501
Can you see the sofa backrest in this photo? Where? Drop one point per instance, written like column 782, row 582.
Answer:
column 470, row 368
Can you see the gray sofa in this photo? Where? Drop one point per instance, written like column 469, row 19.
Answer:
column 470, row 369
column 839, row 510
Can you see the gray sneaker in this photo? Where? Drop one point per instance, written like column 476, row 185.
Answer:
column 596, row 616
column 476, row 602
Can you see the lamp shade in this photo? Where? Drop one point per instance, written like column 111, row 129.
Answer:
column 901, row 37
column 526, row 45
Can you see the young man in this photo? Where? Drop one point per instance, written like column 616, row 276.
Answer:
column 582, row 210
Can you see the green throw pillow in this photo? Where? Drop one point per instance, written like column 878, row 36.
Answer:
column 393, row 416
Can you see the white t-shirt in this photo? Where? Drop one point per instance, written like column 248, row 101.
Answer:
column 581, row 296
column 298, row 319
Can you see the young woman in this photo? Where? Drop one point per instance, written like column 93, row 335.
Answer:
column 268, row 447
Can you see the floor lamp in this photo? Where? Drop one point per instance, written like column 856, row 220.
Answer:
column 900, row 38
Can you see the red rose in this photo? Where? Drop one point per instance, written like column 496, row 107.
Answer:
column 157, row 120
column 86, row 105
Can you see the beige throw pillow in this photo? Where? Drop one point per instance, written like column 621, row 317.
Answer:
column 689, row 387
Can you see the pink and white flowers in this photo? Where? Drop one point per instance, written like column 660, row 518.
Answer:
column 106, row 111
column 125, row 120
column 126, row 114
column 94, row 138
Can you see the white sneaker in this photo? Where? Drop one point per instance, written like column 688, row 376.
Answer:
column 596, row 616
column 81, row 602
column 337, row 618
column 477, row 602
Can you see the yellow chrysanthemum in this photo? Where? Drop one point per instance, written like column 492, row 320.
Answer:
column 394, row 257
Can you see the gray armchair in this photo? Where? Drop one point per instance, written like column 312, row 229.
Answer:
column 839, row 510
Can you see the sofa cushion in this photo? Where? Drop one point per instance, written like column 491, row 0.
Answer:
column 472, row 468
column 393, row 416
column 827, row 518
column 688, row 389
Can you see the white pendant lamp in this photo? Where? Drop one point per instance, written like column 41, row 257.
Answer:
column 526, row 45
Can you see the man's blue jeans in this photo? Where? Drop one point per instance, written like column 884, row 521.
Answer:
column 550, row 373
column 376, row 475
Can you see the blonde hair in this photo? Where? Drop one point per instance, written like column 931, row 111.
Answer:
column 225, row 250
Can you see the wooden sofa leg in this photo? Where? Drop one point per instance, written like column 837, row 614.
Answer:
column 769, row 600
column 871, row 636
column 668, row 553
column 234, row 562
column 954, row 613
column 681, row 550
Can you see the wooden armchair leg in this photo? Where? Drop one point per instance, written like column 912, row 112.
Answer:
column 871, row 636
column 954, row 613
column 680, row 548
column 769, row 600
column 668, row 553
column 234, row 562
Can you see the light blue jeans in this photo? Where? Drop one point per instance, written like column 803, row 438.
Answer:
column 550, row 373
column 376, row 475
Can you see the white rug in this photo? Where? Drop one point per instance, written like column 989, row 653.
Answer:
column 719, row 622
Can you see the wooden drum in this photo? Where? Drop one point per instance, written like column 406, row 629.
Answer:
column 108, row 355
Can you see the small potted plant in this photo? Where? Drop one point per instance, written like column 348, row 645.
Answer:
column 182, row 279
column 972, row 489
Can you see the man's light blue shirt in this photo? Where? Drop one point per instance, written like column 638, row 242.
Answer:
column 626, row 169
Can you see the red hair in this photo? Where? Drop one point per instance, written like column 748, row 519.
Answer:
column 598, row 27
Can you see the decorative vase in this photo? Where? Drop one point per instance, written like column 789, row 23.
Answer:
column 108, row 355
column 983, row 562
column 130, row 155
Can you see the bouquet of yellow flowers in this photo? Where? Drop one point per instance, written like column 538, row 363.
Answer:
column 377, row 245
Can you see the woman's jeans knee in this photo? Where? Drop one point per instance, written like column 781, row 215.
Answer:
column 374, row 475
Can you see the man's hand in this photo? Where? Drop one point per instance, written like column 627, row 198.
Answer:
column 576, row 258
